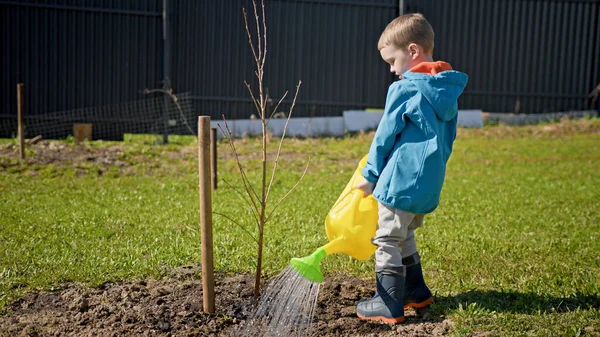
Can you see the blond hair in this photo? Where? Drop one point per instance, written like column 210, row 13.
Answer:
column 407, row 29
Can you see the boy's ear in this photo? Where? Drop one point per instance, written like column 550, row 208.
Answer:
column 414, row 50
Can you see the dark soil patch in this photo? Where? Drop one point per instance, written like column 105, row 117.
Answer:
column 52, row 152
column 173, row 307
column 83, row 158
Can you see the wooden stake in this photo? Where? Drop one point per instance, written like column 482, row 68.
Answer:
column 213, row 156
column 82, row 132
column 20, row 125
column 208, row 277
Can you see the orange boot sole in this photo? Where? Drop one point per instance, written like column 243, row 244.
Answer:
column 395, row 320
column 419, row 305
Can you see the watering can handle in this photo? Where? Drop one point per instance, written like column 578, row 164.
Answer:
column 357, row 195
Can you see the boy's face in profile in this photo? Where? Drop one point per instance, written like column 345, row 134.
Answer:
column 400, row 59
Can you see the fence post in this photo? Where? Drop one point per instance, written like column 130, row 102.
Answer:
column 208, row 278
column 166, row 65
column 402, row 7
column 213, row 156
column 20, row 121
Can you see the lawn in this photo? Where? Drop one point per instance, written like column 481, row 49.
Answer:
column 513, row 249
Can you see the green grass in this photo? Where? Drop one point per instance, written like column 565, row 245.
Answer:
column 512, row 250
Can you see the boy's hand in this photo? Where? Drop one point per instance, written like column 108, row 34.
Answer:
column 366, row 187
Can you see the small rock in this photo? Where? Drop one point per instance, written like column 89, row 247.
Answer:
column 164, row 326
column 184, row 313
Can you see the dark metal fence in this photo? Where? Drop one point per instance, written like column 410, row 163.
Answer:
column 525, row 55
column 113, row 121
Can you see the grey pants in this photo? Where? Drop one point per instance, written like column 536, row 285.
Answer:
column 395, row 238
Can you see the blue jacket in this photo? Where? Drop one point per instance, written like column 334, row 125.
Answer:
column 408, row 156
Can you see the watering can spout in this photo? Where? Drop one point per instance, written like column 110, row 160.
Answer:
column 336, row 246
column 310, row 266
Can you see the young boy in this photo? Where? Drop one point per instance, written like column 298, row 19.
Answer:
column 407, row 163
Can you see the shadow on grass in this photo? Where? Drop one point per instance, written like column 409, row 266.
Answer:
column 513, row 302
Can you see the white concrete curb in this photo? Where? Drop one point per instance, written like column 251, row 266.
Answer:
column 353, row 121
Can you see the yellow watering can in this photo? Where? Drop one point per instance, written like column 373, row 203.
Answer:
column 350, row 225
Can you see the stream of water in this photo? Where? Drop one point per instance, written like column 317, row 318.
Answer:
column 286, row 307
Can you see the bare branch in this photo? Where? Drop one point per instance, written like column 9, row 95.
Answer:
column 250, row 36
column 264, row 34
column 277, row 106
column 257, row 31
column 176, row 101
column 164, row 91
column 253, row 98
column 594, row 94
column 289, row 192
column 260, row 62
column 245, row 180
column 262, row 101
column 281, row 141
column 267, row 100
column 252, row 209
column 239, row 225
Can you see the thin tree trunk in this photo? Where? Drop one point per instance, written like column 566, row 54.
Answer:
column 258, row 269
column 263, row 206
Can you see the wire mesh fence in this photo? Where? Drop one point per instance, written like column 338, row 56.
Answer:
column 159, row 114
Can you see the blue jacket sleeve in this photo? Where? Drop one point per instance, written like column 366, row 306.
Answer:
column 391, row 124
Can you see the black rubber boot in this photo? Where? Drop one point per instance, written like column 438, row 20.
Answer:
column 416, row 294
column 387, row 304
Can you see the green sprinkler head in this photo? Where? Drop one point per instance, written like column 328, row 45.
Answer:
column 309, row 266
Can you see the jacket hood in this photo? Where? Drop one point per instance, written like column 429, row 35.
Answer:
column 441, row 90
